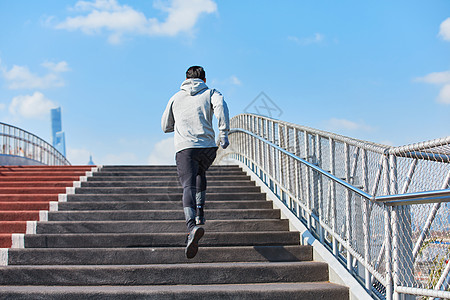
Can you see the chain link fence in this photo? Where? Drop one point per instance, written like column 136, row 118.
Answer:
column 370, row 204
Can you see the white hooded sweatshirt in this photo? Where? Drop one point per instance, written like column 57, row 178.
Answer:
column 189, row 114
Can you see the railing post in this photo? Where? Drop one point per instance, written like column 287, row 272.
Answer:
column 319, row 187
column 348, row 208
column 366, row 224
column 273, row 158
column 308, row 183
column 387, row 229
column 287, row 162
column 280, row 162
column 297, row 175
column 402, row 238
column 333, row 197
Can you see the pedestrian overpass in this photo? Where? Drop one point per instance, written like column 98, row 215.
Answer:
column 378, row 215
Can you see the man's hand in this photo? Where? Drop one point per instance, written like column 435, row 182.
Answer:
column 224, row 142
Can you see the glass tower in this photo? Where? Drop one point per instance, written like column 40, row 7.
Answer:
column 59, row 138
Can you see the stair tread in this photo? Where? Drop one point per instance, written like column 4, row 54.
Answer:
column 198, row 267
column 157, row 255
column 255, row 287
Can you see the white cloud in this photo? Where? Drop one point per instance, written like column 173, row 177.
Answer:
column 444, row 94
column 20, row 77
column 235, row 81
column 163, row 153
column 342, row 124
column 442, row 79
column 78, row 156
column 119, row 20
column 31, row 106
column 60, row 67
column 436, row 78
column 183, row 15
column 444, row 31
column 317, row 38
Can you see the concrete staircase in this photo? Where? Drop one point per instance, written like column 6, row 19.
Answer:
column 122, row 236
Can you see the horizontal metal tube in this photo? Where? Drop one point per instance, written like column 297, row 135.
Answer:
column 416, row 198
column 420, row 146
column 445, row 158
column 422, row 292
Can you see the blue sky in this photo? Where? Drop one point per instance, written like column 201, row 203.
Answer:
column 374, row 70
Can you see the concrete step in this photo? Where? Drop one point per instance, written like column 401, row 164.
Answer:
column 153, row 190
column 35, row 184
column 165, row 274
column 13, row 226
column 159, row 255
column 54, row 227
column 143, row 183
column 32, row 190
column 20, row 206
column 23, row 215
column 28, row 197
column 162, row 177
column 44, row 168
column 5, row 240
column 104, row 215
column 164, row 168
column 144, row 205
column 121, row 240
column 38, row 178
column 263, row 291
column 42, row 173
column 163, row 197
column 162, row 173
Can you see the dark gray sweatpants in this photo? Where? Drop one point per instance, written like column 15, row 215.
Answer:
column 192, row 164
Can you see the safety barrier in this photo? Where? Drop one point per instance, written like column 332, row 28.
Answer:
column 382, row 211
column 18, row 142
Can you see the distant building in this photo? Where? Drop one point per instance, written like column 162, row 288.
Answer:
column 58, row 136
column 91, row 162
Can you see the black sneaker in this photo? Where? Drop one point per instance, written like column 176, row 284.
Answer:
column 200, row 220
column 192, row 241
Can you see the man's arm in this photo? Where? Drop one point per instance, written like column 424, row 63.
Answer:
column 168, row 120
column 220, row 109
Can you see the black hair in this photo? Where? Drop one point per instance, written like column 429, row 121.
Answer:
column 196, row 72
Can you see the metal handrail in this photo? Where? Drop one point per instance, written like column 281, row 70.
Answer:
column 416, row 198
column 15, row 141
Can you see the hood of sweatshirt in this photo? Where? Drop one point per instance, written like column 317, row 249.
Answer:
column 193, row 86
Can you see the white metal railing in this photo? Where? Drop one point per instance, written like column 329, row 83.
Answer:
column 18, row 142
column 382, row 211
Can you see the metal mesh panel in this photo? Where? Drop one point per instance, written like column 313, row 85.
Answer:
column 392, row 249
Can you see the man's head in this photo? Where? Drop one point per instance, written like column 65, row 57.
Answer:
column 196, row 72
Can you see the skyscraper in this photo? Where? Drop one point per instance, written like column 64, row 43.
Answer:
column 59, row 138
